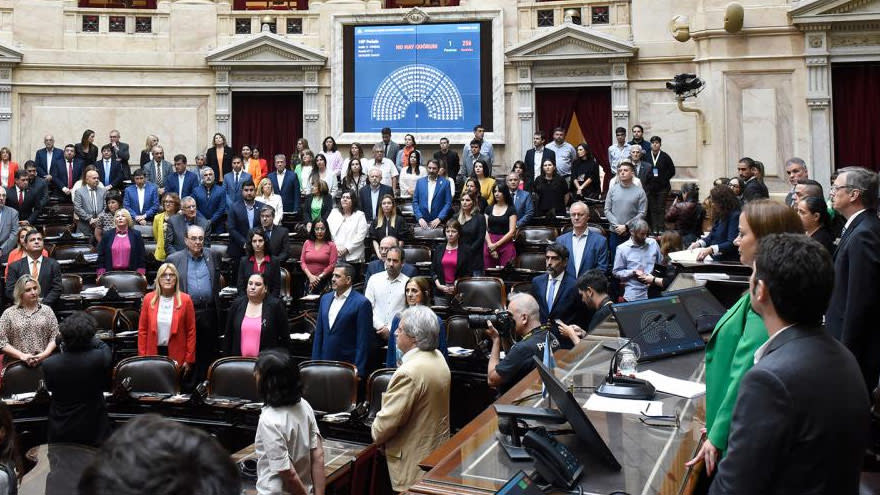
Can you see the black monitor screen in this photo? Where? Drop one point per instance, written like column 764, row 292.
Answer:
column 699, row 302
column 520, row 484
column 662, row 336
column 575, row 416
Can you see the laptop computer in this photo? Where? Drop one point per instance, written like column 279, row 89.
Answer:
column 661, row 327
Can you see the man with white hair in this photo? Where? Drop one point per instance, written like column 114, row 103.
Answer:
column 414, row 419
column 635, row 258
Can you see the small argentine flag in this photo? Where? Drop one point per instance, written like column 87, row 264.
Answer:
column 548, row 360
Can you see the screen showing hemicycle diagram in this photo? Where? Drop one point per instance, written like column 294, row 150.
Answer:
column 425, row 78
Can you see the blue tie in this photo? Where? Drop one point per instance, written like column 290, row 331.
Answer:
column 550, row 294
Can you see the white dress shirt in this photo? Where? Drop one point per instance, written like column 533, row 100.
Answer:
column 163, row 320
column 141, row 191
column 432, row 185
column 336, row 305
column 578, row 244
column 387, row 297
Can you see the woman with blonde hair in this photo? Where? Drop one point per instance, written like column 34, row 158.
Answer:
column 167, row 325
column 266, row 195
column 147, row 152
column 122, row 248
column 28, row 328
column 388, row 222
column 170, row 207
column 7, row 167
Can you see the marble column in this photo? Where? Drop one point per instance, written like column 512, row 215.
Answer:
column 821, row 162
column 526, row 110
column 6, row 103
column 619, row 96
column 222, row 113
column 311, row 110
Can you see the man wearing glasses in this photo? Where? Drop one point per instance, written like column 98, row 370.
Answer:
column 175, row 232
column 853, row 312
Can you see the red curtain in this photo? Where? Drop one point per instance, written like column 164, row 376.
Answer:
column 856, row 105
column 270, row 121
column 592, row 106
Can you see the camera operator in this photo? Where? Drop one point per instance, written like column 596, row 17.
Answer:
column 530, row 337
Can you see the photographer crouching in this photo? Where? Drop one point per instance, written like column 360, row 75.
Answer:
column 529, row 337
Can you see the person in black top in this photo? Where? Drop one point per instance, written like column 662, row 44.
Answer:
column 473, row 231
column 503, row 374
column 814, row 215
column 449, row 158
column 500, row 228
column 687, row 214
column 664, row 272
column 585, row 175
column 85, row 151
column 593, row 288
column 388, row 222
column 658, row 186
column 752, row 185
column 258, row 260
column 552, row 192
column 76, row 378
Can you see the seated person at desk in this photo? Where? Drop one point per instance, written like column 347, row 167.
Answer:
column 801, row 421
column 417, row 292
column 257, row 260
column 128, row 459
column 75, row 377
column 634, row 259
column 556, row 293
column 28, row 328
column 725, row 227
column 378, row 266
column 47, row 270
column 504, row 374
column 288, row 445
column 256, row 321
column 122, row 248
column 167, row 325
column 414, row 419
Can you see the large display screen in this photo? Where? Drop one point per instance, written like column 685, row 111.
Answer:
column 422, row 78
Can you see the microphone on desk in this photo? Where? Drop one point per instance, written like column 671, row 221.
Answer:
column 624, row 387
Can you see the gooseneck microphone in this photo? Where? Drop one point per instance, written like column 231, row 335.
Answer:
column 624, row 387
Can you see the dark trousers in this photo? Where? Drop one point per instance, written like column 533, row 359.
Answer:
column 206, row 340
column 657, row 209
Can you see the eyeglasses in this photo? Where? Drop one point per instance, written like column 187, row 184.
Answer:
column 835, row 188
column 168, row 276
column 661, row 421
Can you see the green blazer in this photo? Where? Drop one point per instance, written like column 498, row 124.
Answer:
column 730, row 353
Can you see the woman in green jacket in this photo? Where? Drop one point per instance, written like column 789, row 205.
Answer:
column 730, row 352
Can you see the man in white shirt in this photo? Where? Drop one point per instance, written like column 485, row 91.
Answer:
column 619, row 150
column 389, row 171
column 565, row 152
column 386, row 292
column 141, row 199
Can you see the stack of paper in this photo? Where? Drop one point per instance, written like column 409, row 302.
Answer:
column 624, row 406
column 673, row 386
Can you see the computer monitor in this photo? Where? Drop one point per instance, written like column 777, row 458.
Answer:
column 661, row 327
column 580, row 423
column 704, row 308
column 520, row 484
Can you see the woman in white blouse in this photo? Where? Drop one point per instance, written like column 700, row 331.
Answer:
column 323, row 172
column 411, row 174
column 348, row 228
column 267, row 196
column 332, row 155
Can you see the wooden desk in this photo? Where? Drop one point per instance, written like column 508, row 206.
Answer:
column 58, row 468
column 653, row 458
column 339, row 456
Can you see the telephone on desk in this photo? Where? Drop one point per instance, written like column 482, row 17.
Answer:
column 553, row 461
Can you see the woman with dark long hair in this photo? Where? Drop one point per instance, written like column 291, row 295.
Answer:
column 552, row 191
column 725, row 227
column 85, row 151
column 256, row 321
column 318, row 257
column 417, row 291
column 388, row 222
column 288, row 445
column 585, row 182
column 410, row 174
column 473, row 230
column 258, row 260
column 332, row 156
column 817, row 222
column 500, row 229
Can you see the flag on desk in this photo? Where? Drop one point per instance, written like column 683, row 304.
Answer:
column 548, row 360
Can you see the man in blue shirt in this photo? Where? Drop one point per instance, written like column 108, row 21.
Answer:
column 634, row 258
column 522, row 201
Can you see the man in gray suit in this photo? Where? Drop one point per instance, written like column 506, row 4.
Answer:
column 158, row 169
column 175, row 231
column 8, row 227
column 88, row 203
column 801, row 422
column 199, row 276
column 120, row 153
column 389, row 147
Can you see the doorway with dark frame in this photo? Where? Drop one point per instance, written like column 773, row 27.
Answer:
column 271, row 121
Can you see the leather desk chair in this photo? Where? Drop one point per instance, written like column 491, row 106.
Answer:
column 481, row 292
column 233, row 377
column 329, row 386
column 18, row 378
column 148, row 375
column 376, row 386
column 125, row 281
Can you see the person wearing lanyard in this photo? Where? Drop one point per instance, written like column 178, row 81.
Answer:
column 167, row 325
column 199, row 274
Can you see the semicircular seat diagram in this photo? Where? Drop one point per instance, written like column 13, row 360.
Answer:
column 417, row 83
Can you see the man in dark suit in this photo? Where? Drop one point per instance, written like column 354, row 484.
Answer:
column 344, row 330
column 8, row 227
column 203, row 263
column 642, row 166
column 277, row 236
column 211, row 201
column 521, row 199
column 534, row 158
column 158, row 169
column 48, row 270
column 449, row 158
column 233, row 181
column 119, row 151
column 557, row 295
column 65, row 174
column 182, row 181
column 752, row 188
column 370, row 196
column 38, row 185
column 658, row 185
column 28, row 203
column 141, row 199
column 50, row 163
column 588, row 247
column 854, row 310
column 389, row 147
column 430, row 209
column 175, row 230
column 242, row 217
column 285, row 183
column 378, row 265
column 801, row 422
column 109, row 170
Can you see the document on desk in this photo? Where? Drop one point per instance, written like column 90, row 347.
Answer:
column 624, row 406
column 711, row 276
column 673, row 386
column 687, row 256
